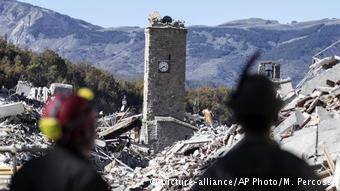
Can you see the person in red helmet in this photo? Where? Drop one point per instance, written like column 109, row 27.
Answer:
column 70, row 121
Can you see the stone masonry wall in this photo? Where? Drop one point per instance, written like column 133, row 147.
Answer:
column 164, row 93
column 167, row 133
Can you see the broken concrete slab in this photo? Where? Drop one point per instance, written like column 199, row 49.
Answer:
column 325, row 62
column 309, row 141
column 23, row 88
column 304, row 145
column 285, row 87
column 11, row 109
column 293, row 103
column 60, row 88
column 322, row 113
column 295, row 120
column 320, row 80
column 329, row 134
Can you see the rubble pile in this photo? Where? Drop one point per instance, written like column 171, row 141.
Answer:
column 118, row 151
column 20, row 139
column 21, row 129
column 185, row 160
column 116, row 142
column 308, row 126
column 310, row 121
column 25, row 89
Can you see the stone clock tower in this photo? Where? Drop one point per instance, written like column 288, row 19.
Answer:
column 164, row 76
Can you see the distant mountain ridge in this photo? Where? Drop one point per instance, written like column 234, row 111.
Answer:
column 215, row 53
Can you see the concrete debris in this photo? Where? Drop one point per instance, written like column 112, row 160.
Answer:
column 285, row 87
column 325, row 62
column 39, row 93
column 318, row 78
column 310, row 122
column 308, row 127
column 322, row 114
column 11, row 109
column 20, row 139
column 60, row 88
column 184, row 160
column 295, row 121
column 25, row 89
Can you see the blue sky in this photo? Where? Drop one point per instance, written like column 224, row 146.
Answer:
column 111, row 13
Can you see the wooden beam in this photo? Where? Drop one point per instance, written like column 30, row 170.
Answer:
column 119, row 128
column 329, row 159
column 325, row 173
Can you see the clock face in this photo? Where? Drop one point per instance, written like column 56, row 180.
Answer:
column 163, row 66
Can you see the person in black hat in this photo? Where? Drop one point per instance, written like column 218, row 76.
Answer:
column 257, row 162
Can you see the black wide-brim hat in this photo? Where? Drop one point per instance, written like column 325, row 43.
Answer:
column 255, row 95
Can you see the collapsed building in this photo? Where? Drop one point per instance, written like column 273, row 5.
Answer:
column 20, row 138
column 309, row 122
column 308, row 126
column 146, row 151
column 24, row 88
column 273, row 71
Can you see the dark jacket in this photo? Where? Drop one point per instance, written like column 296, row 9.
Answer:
column 260, row 160
column 58, row 170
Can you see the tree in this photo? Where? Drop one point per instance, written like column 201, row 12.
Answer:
column 214, row 99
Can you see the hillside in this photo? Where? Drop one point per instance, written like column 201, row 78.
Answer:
column 48, row 67
column 215, row 53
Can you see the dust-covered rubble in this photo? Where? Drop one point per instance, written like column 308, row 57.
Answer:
column 308, row 126
column 185, row 160
column 310, row 122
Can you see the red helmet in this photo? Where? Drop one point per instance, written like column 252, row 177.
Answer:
column 67, row 115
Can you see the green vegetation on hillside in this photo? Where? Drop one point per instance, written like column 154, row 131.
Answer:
column 48, row 67
column 214, row 99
